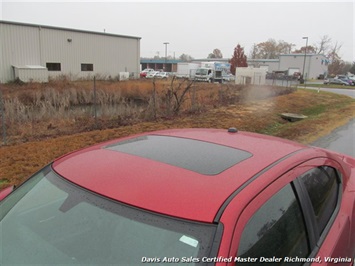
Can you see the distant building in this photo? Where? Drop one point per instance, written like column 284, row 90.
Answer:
column 269, row 64
column 169, row 65
column 36, row 53
column 315, row 64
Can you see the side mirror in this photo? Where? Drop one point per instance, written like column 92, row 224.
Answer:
column 6, row 191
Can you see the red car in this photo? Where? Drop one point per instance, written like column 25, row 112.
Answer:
column 189, row 197
column 144, row 73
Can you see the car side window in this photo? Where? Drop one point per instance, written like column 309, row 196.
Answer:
column 276, row 229
column 322, row 187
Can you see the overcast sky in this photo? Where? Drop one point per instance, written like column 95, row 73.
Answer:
column 197, row 27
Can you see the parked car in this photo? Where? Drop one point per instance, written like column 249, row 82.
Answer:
column 228, row 77
column 350, row 82
column 152, row 74
column 188, row 197
column 162, row 75
column 335, row 81
column 340, row 76
column 144, row 73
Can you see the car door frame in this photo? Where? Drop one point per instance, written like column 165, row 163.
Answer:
column 291, row 177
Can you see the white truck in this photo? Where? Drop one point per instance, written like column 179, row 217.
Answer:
column 186, row 70
column 208, row 75
column 212, row 72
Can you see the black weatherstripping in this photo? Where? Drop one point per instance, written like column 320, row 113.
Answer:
column 198, row 156
column 236, row 192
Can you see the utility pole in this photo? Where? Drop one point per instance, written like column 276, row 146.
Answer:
column 304, row 61
column 166, row 54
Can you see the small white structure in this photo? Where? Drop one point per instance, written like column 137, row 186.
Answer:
column 250, row 75
column 31, row 73
column 123, row 76
column 270, row 64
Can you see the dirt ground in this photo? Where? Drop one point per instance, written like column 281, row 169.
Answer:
column 324, row 112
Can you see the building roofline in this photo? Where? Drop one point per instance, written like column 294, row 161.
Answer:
column 65, row 29
column 302, row 54
column 211, row 59
column 263, row 60
column 159, row 61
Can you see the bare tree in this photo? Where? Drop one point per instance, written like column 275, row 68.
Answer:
column 253, row 52
column 310, row 50
column 334, row 52
column 185, row 57
column 284, row 47
column 347, row 67
column 176, row 94
column 215, row 54
column 271, row 49
column 352, row 68
column 337, row 65
column 324, row 45
column 157, row 55
column 267, row 50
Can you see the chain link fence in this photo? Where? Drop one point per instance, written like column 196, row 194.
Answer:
column 282, row 82
column 2, row 114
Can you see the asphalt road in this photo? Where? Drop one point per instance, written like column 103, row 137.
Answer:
column 341, row 139
column 347, row 92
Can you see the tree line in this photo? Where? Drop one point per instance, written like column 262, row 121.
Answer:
column 271, row 49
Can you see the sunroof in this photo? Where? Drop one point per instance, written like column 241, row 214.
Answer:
column 198, row 156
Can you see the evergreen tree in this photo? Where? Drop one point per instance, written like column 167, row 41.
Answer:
column 239, row 59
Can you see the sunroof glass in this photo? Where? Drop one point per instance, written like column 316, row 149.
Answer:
column 198, row 156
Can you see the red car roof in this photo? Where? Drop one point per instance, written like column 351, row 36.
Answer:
column 127, row 171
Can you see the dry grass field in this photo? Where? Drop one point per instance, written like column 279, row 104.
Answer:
column 38, row 137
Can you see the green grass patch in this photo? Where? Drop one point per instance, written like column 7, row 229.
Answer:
column 331, row 86
column 273, row 128
column 3, row 182
column 315, row 110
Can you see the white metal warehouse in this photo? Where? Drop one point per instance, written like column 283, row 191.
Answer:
column 36, row 53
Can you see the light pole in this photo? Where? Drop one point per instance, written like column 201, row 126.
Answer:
column 166, row 54
column 304, row 61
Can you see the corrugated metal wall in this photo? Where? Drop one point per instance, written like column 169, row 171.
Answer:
column 19, row 47
column 38, row 45
column 314, row 66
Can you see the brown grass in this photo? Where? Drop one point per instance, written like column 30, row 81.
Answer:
column 248, row 110
column 37, row 111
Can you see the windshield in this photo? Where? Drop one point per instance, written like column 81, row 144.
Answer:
column 50, row 221
column 201, row 71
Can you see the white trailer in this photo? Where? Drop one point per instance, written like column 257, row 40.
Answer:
column 186, row 70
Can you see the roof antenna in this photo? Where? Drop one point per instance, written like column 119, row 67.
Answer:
column 232, row 130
